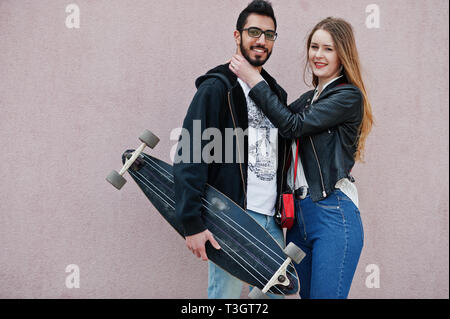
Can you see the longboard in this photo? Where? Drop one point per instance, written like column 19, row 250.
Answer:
column 247, row 252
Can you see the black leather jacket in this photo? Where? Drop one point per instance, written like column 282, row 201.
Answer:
column 328, row 130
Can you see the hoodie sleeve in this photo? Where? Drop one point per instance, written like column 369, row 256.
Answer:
column 189, row 169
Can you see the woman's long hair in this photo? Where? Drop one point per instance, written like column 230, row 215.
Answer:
column 344, row 41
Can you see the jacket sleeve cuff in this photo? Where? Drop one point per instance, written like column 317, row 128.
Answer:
column 193, row 225
column 261, row 86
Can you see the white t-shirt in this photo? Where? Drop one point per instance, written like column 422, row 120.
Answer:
column 262, row 159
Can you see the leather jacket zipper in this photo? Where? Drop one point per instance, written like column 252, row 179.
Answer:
column 239, row 153
column 324, row 193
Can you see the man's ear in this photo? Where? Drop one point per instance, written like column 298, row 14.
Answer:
column 237, row 37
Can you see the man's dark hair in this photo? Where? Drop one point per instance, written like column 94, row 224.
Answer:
column 260, row 7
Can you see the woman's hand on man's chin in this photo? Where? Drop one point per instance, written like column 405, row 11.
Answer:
column 244, row 70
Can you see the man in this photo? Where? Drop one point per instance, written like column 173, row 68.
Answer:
column 254, row 179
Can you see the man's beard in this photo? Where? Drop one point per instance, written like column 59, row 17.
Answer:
column 254, row 62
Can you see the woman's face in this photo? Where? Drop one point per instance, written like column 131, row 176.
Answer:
column 322, row 57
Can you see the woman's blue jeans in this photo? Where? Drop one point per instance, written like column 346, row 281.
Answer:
column 330, row 232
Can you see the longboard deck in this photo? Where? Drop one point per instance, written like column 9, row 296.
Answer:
column 247, row 251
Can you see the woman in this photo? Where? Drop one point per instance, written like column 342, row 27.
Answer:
column 331, row 124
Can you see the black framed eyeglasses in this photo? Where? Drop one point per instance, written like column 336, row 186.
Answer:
column 255, row 32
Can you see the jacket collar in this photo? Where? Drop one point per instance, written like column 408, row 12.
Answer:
column 340, row 81
column 308, row 96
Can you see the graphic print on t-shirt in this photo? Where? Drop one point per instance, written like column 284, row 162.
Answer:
column 262, row 150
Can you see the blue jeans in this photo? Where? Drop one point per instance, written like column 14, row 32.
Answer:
column 330, row 232
column 221, row 285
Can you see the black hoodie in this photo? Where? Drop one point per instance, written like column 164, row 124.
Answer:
column 211, row 106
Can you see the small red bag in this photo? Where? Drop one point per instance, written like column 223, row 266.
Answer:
column 287, row 210
column 287, row 201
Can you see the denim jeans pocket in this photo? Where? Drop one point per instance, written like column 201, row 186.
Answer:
column 325, row 206
column 331, row 202
column 342, row 196
column 350, row 205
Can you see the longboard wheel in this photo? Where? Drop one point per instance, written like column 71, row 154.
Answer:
column 116, row 180
column 293, row 252
column 149, row 139
column 257, row 293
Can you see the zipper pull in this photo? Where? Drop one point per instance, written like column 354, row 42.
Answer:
column 324, row 194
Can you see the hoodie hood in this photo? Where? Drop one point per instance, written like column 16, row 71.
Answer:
column 222, row 69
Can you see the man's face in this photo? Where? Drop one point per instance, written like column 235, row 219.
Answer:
column 256, row 50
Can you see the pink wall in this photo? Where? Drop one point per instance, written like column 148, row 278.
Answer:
column 72, row 100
